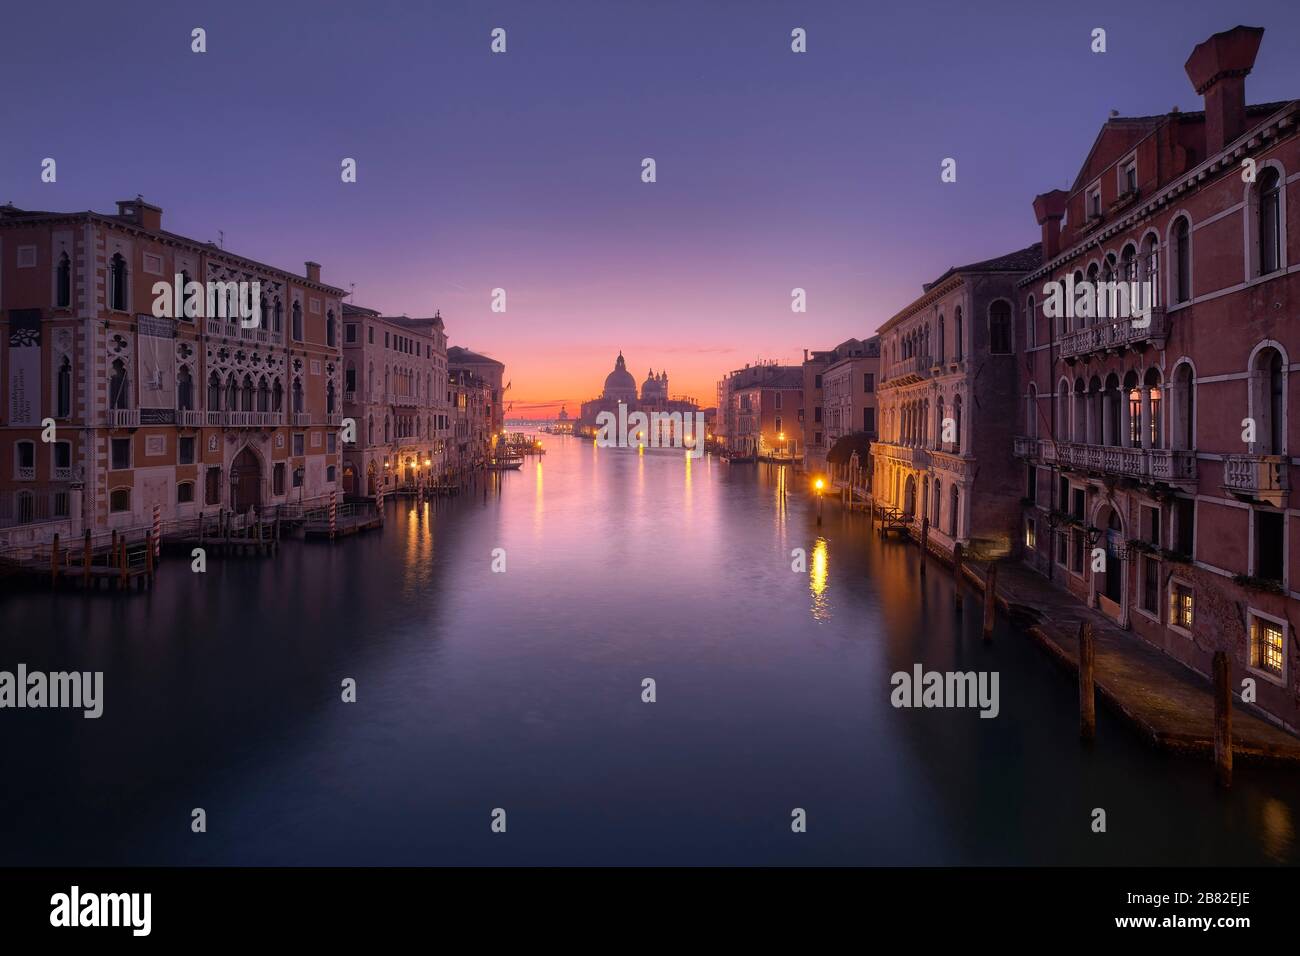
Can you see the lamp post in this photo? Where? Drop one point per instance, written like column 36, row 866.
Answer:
column 819, row 485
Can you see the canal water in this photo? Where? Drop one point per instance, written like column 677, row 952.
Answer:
column 522, row 690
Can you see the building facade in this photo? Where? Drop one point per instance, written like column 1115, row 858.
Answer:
column 491, row 372
column 1157, row 451
column 395, row 391
column 844, row 404
column 188, row 412
column 948, row 404
column 765, row 413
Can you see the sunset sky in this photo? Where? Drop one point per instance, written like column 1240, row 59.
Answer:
column 522, row 170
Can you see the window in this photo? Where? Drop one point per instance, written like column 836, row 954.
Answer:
column 63, row 390
column 1269, row 190
column 371, row 330
column 297, row 322
column 1150, row 584
column 1182, row 260
column 1181, row 605
column 63, row 282
column 817, row 414
column 1151, row 525
column 350, row 332
column 117, row 283
column 869, row 421
column 817, row 381
column 297, row 477
column 1031, row 533
column 778, row 401
column 330, row 334
column 118, row 386
column 1268, row 545
column 329, row 474
column 277, row 478
column 26, row 452
column 185, row 493
column 1000, row 328
column 1076, row 555
column 1151, row 268
column 1185, row 528
column 1078, row 504
column 298, row 443
column 1031, row 320
column 297, row 396
column 212, row 486
column 185, row 450
column 954, row 506
column 1267, row 646
column 1128, row 177
column 1094, row 203
column 868, row 381
column 1031, row 483
column 120, row 453
column 119, row 500
column 957, row 336
column 62, row 455
column 184, row 390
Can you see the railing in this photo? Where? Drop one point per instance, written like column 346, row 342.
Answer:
column 33, row 507
column 903, row 454
column 1116, row 334
column 235, row 330
column 1258, row 476
column 404, row 400
column 301, row 419
column 25, row 473
column 241, row 419
column 1154, row 464
column 1022, row 447
column 190, row 418
column 64, row 474
column 122, row 417
column 916, row 367
column 952, row 463
column 334, row 418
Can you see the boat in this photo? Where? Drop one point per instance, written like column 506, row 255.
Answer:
column 505, row 464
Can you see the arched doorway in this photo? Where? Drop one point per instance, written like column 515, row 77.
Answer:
column 1111, row 584
column 370, row 480
column 349, row 481
column 245, row 481
column 909, row 496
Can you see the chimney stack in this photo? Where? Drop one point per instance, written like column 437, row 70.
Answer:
column 1217, row 69
column 140, row 213
column 313, row 272
column 1049, row 210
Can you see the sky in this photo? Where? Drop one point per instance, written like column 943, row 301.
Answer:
column 523, row 170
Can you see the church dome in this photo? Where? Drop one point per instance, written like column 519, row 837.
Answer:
column 620, row 383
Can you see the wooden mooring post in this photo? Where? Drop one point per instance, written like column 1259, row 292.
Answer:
column 1087, row 691
column 925, row 541
column 990, row 599
column 124, row 578
column 956, row 575
column 1222, row 719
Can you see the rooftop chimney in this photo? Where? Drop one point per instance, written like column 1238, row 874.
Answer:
column 1218, row 68
column 313, row 272
column 140, row 212
column 1049, row 209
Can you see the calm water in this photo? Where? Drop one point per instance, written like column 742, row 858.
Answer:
column 522, row 691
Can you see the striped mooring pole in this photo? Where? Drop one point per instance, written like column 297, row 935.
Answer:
column 157, row 531
column 334, row 511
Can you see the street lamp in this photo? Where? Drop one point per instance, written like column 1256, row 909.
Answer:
column 819, row 485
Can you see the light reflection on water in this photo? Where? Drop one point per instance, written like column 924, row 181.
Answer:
column 522, row 690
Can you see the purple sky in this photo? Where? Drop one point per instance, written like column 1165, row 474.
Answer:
column 522, row 170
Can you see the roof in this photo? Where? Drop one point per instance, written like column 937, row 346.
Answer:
column 1022, row 260
column 463, row 356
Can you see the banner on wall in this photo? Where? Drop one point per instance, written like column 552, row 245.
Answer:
column 156, row 357
column 25, row 367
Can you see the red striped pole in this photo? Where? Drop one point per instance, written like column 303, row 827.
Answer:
column 157, row 530
column 334, row 510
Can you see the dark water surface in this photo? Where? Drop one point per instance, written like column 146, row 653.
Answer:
column 522, row 691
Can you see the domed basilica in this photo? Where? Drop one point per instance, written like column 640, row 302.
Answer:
column 620, row 389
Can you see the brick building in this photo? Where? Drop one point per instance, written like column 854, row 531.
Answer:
column 839, row 397
column 1164, row 444
column 190, row 412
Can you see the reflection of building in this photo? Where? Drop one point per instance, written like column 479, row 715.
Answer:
column 395, row 370
column 760, row 412
column 948, row 404
column 187, row 414
column 620, row 388
column 1170, row 445
column 839, row 397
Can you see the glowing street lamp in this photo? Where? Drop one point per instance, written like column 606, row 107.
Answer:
column 819, row 485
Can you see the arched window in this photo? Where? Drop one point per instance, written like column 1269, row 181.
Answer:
column 1151, row 269
column 1267, row 402
column 370, row 431
column 263, row 395
column 940, row 355
column 63, row 282
column 63, row 396
column 214, row 392
column 232, row 393
column 1031, row 412
column 957, row 345
column 937, row 500
column 1079, row 413
column 1182, row 260
column 954, row 507
column 1269, row 190
column 119, row 500
column 1182, row 422
column 117, row 283
column 1061, row 414
column 119, row 391
column 184, row 390
column 279, row 315
column 1153, row 392
column 1031, row 322
column 956, row 425
column 277, row 396
column 297, row 396
column 1112, row 403
column 263, row 315
column 329, row 328
column 1000, row 327
column 249, row 395
column 387, row 432
column 329, row 399
column 297, row 321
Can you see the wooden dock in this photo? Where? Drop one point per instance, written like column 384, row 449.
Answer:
column 892, row 519
column 350, row 518
column 109, row 559
column 223, row 532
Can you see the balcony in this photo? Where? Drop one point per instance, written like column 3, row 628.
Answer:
column 1258, row 477
column 909, row 370
column 1027, row 448
column 236, row 330
column 122, row 418
column 64, row 474
column 301, row 419
column 957, row 466
column 404, row 400
column 27, row 473
column 1142, row 464
column 908, row 455
column 334, row 418
column 1114, row 336
column 233, row 419
column 189, row 418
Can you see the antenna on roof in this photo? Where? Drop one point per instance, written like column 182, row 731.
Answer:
column 221, row 238
column 352, row 295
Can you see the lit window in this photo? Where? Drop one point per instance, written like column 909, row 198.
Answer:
column 1180, row 606
column 1267, row 646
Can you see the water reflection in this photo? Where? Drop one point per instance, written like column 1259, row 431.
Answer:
column 817, row 581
